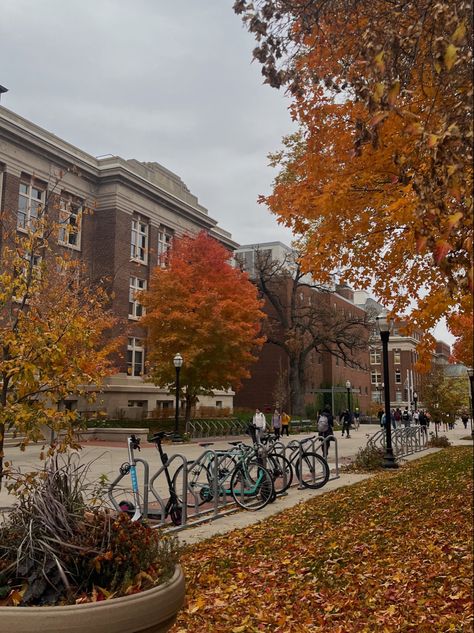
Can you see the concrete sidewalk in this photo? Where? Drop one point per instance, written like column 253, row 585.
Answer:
column 105, row 459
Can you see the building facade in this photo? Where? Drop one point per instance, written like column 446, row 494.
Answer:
column 326, row 373
column 119, row 217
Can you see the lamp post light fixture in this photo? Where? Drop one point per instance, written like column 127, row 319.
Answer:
column 348, row 387
column 415, row 399
column 470, row 373
column 177, row 362
column 384, row 326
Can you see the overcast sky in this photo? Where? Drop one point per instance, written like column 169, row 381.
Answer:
column 167, row 81
column 170, row 82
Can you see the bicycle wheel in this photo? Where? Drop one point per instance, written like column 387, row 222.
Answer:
column 251, row 486
column 199, row 489
column 281, row 471
column 312, row 470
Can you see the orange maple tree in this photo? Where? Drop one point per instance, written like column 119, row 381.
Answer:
column 377, row 182
column 207, row 310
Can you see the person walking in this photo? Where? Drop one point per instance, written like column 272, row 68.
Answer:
column 285, row 424
column 346, row 423
column 276, row 424
column 325, row 428
column 423, row 422
column 398, row 417
column 464, row 419
column 356, row 418
column 260, row 423
column 406, row 417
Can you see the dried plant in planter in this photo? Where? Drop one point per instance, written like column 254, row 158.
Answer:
column 60, row 545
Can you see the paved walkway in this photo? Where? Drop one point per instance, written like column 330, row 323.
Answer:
column 105, row 459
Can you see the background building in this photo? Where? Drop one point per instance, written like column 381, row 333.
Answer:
column 117, row 216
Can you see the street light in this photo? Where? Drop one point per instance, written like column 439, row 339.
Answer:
column 348, row 387
column 415, row 399
column 177, row 362
column 384, row 326
column 470, row 373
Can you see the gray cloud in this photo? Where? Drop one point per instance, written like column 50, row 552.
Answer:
column 152, row 80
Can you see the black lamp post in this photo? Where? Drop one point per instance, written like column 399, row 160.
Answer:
column 415, row 399
column 348, row 387
column 384, row 327
column 470, row 373
column 177, row 362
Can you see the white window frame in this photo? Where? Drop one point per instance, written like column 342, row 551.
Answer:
column 375, row 377
column 375, row 356
column 165, row 239
column 398, row 376
column 139, row 240
column 135, row 356
column 70, row 222
column 135, row 308
column 396, row 356
column 30, row 203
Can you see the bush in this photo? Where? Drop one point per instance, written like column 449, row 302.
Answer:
column 56, row 547
column 438, row 442
column 368, row 459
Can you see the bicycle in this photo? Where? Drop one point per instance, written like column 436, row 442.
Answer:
column 311, row 469
column 172, row 508
column 233, row 472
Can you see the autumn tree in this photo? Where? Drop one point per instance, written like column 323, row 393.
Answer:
column 53, row 326
column 377, row 182
column 201, row 306
column 301, row 321
column 445, row 397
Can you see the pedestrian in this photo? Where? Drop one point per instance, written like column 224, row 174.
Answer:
column 379, row 415
column 416, row 417
column 346, row 423
column 356, row 418
column 406, row 417
column 423, row 421
column 260, row 424
column 464, row 419
column 276, row 424
column 285, row 424
column 325, row 428
column 398, row 417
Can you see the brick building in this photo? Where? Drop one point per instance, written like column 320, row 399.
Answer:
column 137, row 209
column 325, row 374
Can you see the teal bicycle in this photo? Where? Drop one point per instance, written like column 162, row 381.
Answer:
column 231, row 473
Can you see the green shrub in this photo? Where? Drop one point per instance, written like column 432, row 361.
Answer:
column 368, row 458
column 440, row 441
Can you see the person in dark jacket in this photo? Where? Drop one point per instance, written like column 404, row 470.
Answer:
column 346, row 423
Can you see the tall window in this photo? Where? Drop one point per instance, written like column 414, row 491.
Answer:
column 135, row 308
column 165, row 237
column 375, row 356
column 376, row 377
column 398, row 377
column 70, row 218
column 396, row 356
column 30, row 201
column 139, row 241
column 135, row 357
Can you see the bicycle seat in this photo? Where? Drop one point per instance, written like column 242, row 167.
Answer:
column 206, row 444
column 159, row 436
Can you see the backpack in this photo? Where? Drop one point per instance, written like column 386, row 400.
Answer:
column 405, row 415
column 323, row 424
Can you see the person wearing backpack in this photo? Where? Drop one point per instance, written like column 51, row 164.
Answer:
column 406, row 417
column 276, row 424
column 325, row 428
column 346, row 423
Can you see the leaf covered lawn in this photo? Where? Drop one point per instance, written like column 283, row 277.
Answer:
column 392, row 553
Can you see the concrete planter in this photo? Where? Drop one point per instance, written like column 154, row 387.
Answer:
column 151, row 611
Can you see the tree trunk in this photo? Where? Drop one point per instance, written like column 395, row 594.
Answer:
column 297, row 385
column 2, row 443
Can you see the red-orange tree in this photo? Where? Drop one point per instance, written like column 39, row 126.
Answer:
column 205, row 309
column 378, row 180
